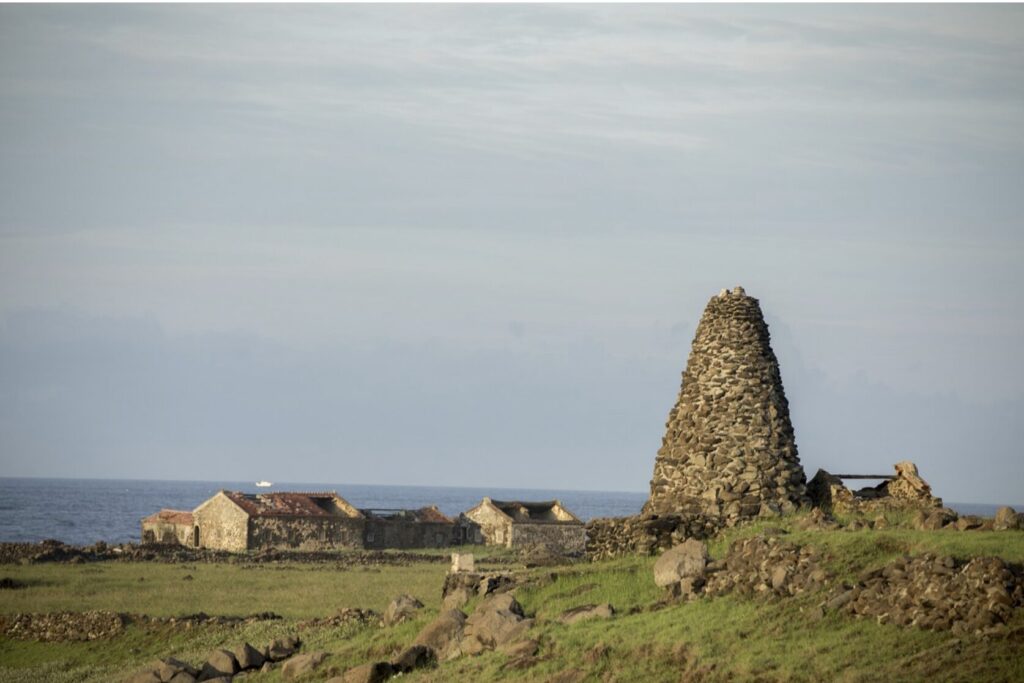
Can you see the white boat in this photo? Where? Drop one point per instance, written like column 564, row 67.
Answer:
column 264, row 484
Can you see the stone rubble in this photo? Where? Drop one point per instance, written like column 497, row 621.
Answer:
column 766, row 566
column 729, row 451
column 224, row 664
column 936, row 593
column 907, row 490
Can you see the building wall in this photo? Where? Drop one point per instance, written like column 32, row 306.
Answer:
column 495, row 526
column 381, row 533
column 222, row 525
column 166, row 532
column 305, row 533
column 564, row 539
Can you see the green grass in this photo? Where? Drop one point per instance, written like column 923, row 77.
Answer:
column 720, row 639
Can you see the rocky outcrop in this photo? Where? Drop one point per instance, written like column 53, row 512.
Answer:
column 936, row 593
column 460, row 587
column 729, row 450
column 609, row 537
column 1006, row 519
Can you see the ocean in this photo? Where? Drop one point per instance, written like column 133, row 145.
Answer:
column 83, row 511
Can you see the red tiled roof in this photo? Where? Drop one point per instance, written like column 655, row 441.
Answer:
column 286, row 504
column 171, row 517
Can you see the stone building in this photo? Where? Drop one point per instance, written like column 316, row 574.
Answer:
column 423, row 528
column 168, row 527
column 729, row 451
column 237, row 522
column 520, row 524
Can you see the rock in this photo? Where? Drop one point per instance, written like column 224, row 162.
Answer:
column 414, row 657
column 498, row 620
column 1005, row 519
column 685, row 560
column 969, row 522
column 219, row 663
column 521, row 648
column 401, row 608
column 587, row 612
column 169, row 668
column 367, row 673
column 456, row 599
column 147, row 676
column 282, row 648
column 302, row 664
column 181, row 677
column 248, row 657
column 443, row 634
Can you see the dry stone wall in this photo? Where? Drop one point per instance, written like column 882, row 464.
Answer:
column 729, row 450
column 609, row 537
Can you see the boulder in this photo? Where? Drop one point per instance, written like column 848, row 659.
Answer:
column 498, row 620
column 219, row 663
column 367, row 673
column 167, row 669
column 442, row 635
column 456, row 598
column 300, row 665
column 1006, row 518
column 685, row 560
column 282, row 648
column 248, row 657
column 414, row 657
column 181, row 677
column 401, row 608
column 147, row 676
column 587, row 612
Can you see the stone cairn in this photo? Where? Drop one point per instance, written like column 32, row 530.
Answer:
column 729, row 451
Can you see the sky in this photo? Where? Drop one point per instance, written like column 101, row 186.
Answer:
column 470, row 245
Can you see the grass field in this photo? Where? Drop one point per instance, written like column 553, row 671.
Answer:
column 720, row 639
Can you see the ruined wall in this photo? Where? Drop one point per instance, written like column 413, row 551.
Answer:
column 167, row 533
column 609, row 537
column 305, row 533
column 563, row 539
column 398, row 533
column 729, row 449
column 222, row 525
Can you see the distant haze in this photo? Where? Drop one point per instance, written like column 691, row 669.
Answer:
column 469, row 245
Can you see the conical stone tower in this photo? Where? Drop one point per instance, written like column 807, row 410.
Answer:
column 729, row 451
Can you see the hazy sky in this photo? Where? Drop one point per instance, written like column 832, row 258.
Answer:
column 470, row 245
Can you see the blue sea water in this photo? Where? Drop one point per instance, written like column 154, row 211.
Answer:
column 83, row 511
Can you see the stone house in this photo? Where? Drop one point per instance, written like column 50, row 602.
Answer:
column 237, row 522
column 423, row 528
column 168, row 526
column 522, row 524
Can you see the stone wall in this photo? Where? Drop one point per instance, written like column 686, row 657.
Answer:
column 906, row 490
column 729, row 449
column 399, row 533
column 562, row 539
column 305, row 533
column 609, row 537
column 222, row 525
column 164, row 532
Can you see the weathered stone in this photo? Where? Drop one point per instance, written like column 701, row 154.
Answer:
column 442, row 635
column 219, row 663
column 248, row 657
column 282, row 648
column 729, row 451
column 587, row 612
column 414, row 657
column 168, row 668
column 685, row 560
column 300, row 665
column 462, row 562
column 401, row 608
column 367, row 673
column 147, row 676
column 1006, row 518
column 497, row 620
